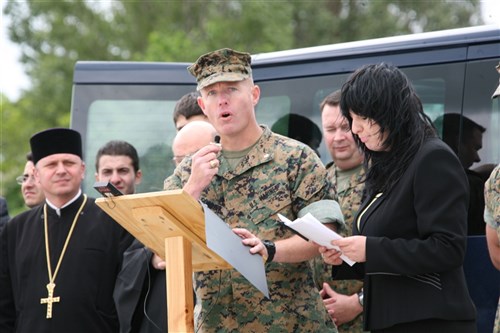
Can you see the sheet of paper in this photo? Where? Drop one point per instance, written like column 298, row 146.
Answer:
column 309, row 227
column 223, row 241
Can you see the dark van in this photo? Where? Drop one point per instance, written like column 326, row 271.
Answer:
column 453, row 72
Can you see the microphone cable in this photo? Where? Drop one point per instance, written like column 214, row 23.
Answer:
column 147, row 291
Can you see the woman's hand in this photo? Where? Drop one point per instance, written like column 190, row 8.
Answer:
column 353, row 247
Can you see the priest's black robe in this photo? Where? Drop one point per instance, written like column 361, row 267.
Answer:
column 85, row 280
column 140, row 293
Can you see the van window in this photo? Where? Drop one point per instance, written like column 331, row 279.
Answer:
column 142, row 114
column 479, row 107
column 437, row 85
column 132, row 114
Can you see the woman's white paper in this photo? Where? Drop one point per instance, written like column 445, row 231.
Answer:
column 312, row 229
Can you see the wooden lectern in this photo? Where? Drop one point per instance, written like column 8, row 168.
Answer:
column 172, row 225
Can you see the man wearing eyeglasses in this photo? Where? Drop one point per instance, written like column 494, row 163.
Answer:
column 192, row 137
column 30, row 189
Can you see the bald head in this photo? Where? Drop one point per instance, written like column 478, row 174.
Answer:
column 193, row 136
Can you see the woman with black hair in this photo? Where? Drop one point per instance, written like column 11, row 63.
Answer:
column 409, row 236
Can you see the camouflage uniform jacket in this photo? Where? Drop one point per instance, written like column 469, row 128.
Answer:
column 349, row 199
column 492, row 216
column 277, row 175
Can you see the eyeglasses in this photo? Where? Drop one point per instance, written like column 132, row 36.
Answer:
column 178, row 158
column 24, row 179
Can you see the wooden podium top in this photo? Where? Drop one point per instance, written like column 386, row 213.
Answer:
column 152, row 217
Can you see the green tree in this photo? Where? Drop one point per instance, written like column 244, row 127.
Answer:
column 53, row 35
column 15, row 131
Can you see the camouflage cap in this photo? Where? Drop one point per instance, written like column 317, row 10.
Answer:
column 221, row 66
column 497, row 92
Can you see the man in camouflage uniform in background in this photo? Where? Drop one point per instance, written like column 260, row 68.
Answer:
column 492, row 216
column 342, row 297
column 492, row 219
column 246, row 180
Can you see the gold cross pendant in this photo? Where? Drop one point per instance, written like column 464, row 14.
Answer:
column 50, row 299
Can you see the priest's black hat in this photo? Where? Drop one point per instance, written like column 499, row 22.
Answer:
column 55, row 141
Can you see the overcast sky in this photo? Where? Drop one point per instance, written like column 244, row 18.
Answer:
column 13, row 79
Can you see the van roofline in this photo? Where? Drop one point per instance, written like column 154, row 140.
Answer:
column 139, row 72
column 459, row 36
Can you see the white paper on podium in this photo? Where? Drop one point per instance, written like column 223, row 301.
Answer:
column 223, row 241
column 311, row 228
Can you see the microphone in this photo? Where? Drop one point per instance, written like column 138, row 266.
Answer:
column 217, row 139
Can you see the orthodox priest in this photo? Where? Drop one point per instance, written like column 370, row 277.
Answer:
column 59, row 260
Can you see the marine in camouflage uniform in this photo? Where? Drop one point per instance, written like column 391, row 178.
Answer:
column 492, row 216
column 349, row 196
column 246, row 180
column 277, row 175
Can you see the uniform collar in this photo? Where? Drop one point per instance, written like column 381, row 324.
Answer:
column 262, row 152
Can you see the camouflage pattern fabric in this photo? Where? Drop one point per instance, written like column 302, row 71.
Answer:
column 223, row 65
column 492, row 205
column 278, row 175
column 349, row 199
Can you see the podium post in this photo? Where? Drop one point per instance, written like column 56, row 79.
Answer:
column 178, row 257
column 172, row 225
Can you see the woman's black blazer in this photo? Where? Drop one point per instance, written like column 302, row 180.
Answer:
column 416, row 241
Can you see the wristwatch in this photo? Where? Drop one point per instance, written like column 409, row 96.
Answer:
column 271, row 250
column 361, row 297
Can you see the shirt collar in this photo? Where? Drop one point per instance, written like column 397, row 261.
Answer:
column 58, row 210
